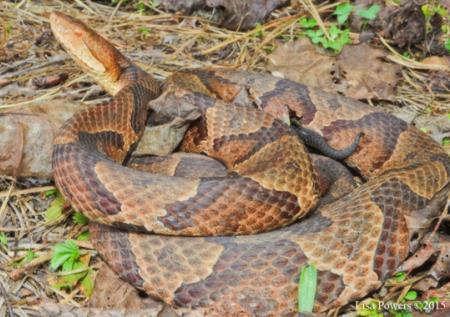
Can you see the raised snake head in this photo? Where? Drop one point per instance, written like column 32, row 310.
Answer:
column 91, row 51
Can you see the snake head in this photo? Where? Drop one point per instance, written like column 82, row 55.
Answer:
column 92, row 52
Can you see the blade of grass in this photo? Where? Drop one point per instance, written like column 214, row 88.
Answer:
column 307, row 289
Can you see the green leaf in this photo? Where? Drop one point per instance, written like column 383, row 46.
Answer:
column 447, row 47
column 50, row 192
column 316, row 36
column 307, row 23
column 84, row 236
column 334, row 32
column 400, row 276
column 370, row 13
column 342, row 12
column 144, row 31
column 446, row 141
column 411, row 295
column 3, row 239
column 87, row 283
column 406, row 55
column 71, row 279
column 426, row 10
column 54, row 212
column 338, row 40
column 259, row 31
column 307, row 289
column 8, row 28
column 424, row 130
column 79, row 218
column 29, row 256
column 441, row 10
column 434, row 299
column 65, row 254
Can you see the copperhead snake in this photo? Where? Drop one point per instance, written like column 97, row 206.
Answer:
column 222, row 233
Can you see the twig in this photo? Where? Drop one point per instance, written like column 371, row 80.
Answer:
column 410, row 63
column 5, row 203
column 5, row 296
column 27, row 191
column 309, row 5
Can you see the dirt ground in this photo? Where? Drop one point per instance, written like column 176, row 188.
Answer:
column 405, row 70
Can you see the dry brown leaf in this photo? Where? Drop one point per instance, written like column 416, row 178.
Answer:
column 437, row 60
column 123, row 295
column 300, row 61
column 364, row 74
column 358, row 72
column 438, row 245
column 441, row 268
column 418, row 258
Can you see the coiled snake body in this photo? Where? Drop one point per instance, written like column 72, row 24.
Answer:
column 224, row 239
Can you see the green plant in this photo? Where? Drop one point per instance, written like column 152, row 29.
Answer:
column 51, row 192
column 307, row 23
column 79, row 218
column 144, row 32
column 400, row 276
column 430, row 9
column 142, row 5
column 446, row 141
column 29, row 256
column 259, row 31
column 338, row 34
column 410, row 295
column 342, row 12
column 3, row 239
column 65, row 254
column 73, row 266
column 307, row 289
column 54, row 211
column 84, row 236
column 369, row 13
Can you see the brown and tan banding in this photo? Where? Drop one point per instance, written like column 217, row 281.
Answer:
column 259, row 177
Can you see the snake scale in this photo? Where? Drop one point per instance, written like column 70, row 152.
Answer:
column 221, row 233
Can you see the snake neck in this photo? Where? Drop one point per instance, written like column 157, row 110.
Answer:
column 113, row 128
